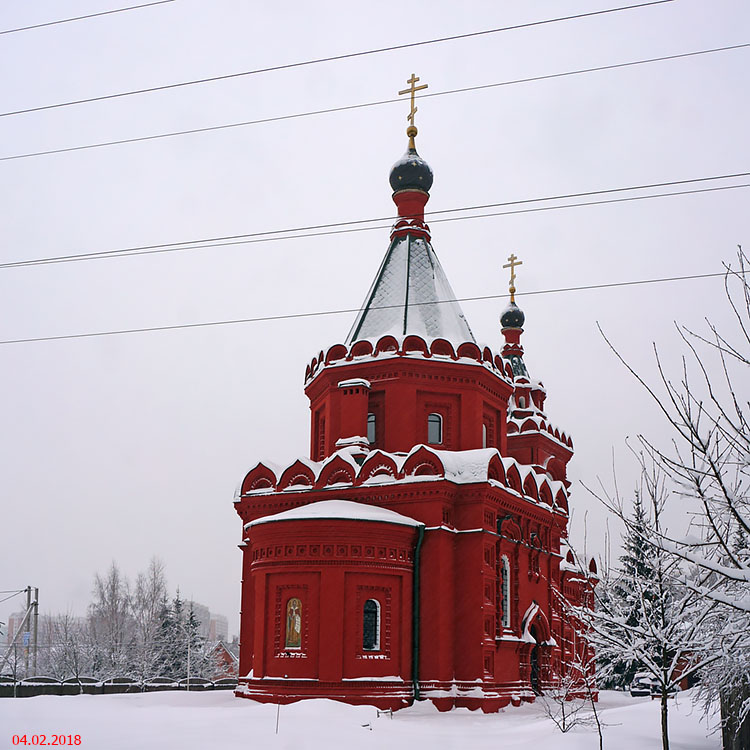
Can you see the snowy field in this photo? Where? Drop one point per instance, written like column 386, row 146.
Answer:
column 198, row 721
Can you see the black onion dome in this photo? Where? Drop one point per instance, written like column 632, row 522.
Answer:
column 411, row 172
column 512, row 316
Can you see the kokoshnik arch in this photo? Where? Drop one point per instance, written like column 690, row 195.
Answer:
column 421, row 551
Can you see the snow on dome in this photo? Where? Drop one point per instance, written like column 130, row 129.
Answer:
column 411, row 295
column 339, row 510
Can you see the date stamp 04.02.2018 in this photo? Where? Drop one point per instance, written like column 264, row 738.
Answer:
column 46, row 740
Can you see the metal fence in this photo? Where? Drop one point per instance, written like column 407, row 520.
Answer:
column 31, row 686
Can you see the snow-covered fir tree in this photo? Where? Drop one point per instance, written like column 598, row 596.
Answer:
column 184, row 651
column 615, row 591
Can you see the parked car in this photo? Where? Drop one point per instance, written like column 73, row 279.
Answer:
column 656, row 690
column 642, row 684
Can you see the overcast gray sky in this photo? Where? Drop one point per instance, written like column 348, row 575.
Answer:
column 124, row 447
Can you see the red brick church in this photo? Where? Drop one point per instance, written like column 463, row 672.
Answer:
column 420, row 551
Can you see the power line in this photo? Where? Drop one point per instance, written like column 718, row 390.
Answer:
column 349, row 107
column 332, row 58
column 287, row 234
column 16, row 593
column 81, row 18
column 454, row 218
column 597, row 203
column 321, row 313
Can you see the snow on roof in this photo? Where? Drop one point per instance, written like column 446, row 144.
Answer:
column 381, row 468
column 527, row 621
column 567, row 561
column 354, row 382
column 411, row 294
column 410, row 346
column 339, row 510
column 352, row 442
column 465, row 467
column 530, row 418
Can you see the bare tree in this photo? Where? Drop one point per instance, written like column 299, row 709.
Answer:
column 707, row 466
column 643, row 614
column 570, row 701
column 148, row 605
column 72, row 652
column 110, row 621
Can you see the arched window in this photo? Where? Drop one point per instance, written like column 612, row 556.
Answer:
column 371, row 428
column 484, row 436
column 434, row 429
column 293, row 624
column 505, row 572
column 521, row 402
column 371, row 625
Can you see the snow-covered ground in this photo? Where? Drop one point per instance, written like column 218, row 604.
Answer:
column 197, row 721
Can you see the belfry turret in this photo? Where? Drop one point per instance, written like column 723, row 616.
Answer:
column 531, row 438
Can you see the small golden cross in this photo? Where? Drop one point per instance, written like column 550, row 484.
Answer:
column 513, row 262
column 412, row 90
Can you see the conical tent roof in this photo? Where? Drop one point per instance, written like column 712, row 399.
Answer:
column 411, row 295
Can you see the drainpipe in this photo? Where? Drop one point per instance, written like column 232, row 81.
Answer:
column 415, row 616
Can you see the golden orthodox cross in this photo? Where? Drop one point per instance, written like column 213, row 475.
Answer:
column 413, row 88
column 513, row 262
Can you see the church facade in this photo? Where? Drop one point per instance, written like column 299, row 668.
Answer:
column 420, row 552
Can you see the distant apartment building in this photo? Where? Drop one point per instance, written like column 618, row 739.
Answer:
column 14, row 623
column 218, row 628
column 210, row 626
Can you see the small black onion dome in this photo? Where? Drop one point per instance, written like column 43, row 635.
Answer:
column 411, row 172
column 512, row 316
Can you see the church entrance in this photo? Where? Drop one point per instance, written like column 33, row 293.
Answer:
column 534, row 659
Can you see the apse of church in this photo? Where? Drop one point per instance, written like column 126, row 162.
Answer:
column 420, row 552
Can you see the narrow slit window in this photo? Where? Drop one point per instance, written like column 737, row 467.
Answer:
column 371, row 429
column 484, row 436
column 371, row 625
column 434, row 429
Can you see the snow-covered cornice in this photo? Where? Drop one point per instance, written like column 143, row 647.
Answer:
column 537, row 424
column 572, row 568
column 410, row 346
column 530, row 418
column 421, row 464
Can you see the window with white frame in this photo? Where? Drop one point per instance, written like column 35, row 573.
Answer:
column 505, row 570
column 435, row 429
